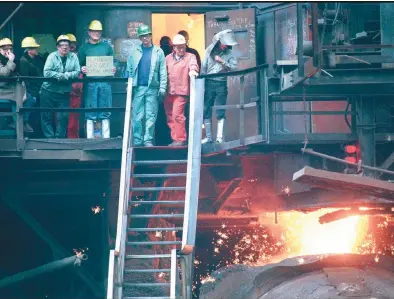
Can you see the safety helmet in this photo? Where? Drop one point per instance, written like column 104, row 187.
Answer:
column 96, row 25
column 63, row 37
column 179, row 40
column 72, row 37
column 29, row 42
column 143, row 30
column 226, row 37
column 5, row 42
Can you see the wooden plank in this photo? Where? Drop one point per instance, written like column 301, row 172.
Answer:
column 338, row 181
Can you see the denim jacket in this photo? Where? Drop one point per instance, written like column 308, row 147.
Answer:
column 54, row 69
column 158, row 70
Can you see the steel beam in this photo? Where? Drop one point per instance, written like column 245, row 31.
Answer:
column 222, row 198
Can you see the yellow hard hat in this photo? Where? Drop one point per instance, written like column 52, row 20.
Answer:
column 5, row 42
column 29, row 42
column 179, row 40
column 62, row 37
column 95, row 25
column 72, row 37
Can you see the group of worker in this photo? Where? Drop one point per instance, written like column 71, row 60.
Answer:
column 157, row 78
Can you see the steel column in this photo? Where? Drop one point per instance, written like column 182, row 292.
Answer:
column 300, row 40
column 315, row 35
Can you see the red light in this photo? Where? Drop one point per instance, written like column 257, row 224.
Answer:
column 351, row 159
column 351, row 149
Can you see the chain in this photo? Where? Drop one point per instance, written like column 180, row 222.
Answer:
column 305, row 118
column 323, row 33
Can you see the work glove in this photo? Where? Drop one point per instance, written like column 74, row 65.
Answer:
column 193, row 73
column 161, row 94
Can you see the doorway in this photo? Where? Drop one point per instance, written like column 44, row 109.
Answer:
column 169, row 25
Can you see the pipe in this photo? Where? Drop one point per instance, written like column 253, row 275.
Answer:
column 11, row 15
column 300, row 41
column 75, row 259
column 312, row 152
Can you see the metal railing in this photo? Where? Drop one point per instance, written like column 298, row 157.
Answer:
column 261, row 102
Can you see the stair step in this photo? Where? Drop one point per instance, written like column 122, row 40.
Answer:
column 155, row 229
column 146, row 284
column 158, row 162
column 156, row 202
column 156, row 215
column 146, row 297
column 147, row 270
column 147, row 256
column 141, row 243
column 158, row 175
column 145, row 189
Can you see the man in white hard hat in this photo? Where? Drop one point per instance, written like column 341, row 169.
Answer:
column 97, row 94
column 62, row 65
column 180, row 66
column 218, row 59
column 32, row 65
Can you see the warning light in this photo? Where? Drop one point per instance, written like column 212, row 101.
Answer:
column 352, row 153
column 351, row 149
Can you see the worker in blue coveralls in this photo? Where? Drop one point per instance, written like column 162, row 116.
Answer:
column 147, row 66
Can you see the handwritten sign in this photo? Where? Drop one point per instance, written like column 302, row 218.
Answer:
column 99, row 66
column 132, row 29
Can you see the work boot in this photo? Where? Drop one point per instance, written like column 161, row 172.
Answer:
column 208, row 131
column 177, row 143
column 148, row 144
column 89, row 129
column 105, row 130
column 220, row 129
column 27, row 128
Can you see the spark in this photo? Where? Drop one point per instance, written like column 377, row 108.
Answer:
column 158, row 234
column 97, row 209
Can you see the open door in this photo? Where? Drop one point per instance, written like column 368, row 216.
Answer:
column 242, row 22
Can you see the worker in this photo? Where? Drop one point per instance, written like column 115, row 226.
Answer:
column 166, row 45
column 97, row 94
column 180, row 65
column 147, row 66
column 218, row 59
column 188, row 49
column 32, row 65
column 75, row 96
column 8, row 89
column 62, row 65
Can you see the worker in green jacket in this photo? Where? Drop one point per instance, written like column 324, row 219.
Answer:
column 147, row 66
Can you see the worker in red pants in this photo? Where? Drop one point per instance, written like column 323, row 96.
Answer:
column 180, row 66
column 75, row 97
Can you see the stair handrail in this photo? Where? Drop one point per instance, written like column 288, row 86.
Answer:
column 115, row 276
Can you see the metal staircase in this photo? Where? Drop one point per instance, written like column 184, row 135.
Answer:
column 134, row 265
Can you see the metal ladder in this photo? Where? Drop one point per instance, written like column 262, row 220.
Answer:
column 127, row 249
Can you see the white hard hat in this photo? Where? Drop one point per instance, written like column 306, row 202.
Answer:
column 178, row 40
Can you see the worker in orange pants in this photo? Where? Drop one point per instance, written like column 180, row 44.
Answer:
column 180, row 66
column 75, row 97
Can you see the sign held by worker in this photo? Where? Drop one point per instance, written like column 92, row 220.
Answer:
column 99, row 66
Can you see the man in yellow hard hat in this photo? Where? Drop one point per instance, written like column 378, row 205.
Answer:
column 97, row 94
column 75, row 96
column 32, row 65
column 147, row 66
column 8, row 89
column 62, row 65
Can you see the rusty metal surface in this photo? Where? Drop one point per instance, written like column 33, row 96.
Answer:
column 338, row 181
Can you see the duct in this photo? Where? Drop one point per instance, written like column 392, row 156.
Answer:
column 11, row 15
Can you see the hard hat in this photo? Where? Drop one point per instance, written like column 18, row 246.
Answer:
column 29, row 42
column 179, row 40
column 95, row 25
column 62, row 37
column 143, row 30
column 72, row 37
column 226, row 37
column 5, row 42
